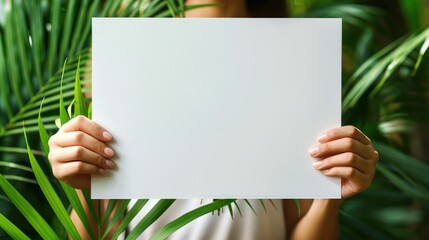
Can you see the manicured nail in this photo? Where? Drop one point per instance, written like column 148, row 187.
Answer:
column 322, row 137
column 107, row 135
column 314, row 151
column 109, row 152
column 317, row 164
column 109, row 163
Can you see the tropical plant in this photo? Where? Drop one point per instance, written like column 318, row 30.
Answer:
column 36, row 37
column 386, row 94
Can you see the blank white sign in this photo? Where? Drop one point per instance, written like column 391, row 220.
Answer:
column 216, row 108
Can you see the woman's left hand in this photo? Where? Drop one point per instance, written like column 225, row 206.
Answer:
column 347, row 153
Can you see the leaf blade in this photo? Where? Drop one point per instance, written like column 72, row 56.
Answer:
column 33, row 217
column 160, row 207
column 51, row 195
column 186, row 218
column 11, row 229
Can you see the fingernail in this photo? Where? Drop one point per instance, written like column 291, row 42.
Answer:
column 109, row 163
column 325, row 172
column 317, row 164
column 322, row 138
column 109, row 152
column 107, row 135
column 314, row 151
column 102, row 171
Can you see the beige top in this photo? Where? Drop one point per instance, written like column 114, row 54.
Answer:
column 264, row 225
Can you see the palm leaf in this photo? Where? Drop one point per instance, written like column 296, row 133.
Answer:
column 11, row 229
column 129, row 216
column 118, row 214
column 51, row 195
column 80, row 105
column 186, row 218
column 19, row 178
column 15, row 165
column 33, row 217
column 160, row 207
column 384, row 66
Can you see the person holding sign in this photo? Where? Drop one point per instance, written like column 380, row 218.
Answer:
column 81, row 148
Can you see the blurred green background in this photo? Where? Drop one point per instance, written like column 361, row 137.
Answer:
column 385, row 93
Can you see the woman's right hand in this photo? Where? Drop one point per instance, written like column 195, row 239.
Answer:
column 79, row 150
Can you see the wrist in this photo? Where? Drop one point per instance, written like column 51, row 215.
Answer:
column 329, row 204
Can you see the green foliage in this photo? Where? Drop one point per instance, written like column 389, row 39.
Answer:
column 105, row 224
column 41, row 102
column 51, row 195
column 41, row 226
column 386, row 94
column 45, row 59
column 173, row 226
column 11, row 229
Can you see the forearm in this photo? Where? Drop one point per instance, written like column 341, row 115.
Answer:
column 320, row 222
column 77, row 221
column 94, row 226
column 345, row 153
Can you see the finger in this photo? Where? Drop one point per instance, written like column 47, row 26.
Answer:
column 78, row 138
column 74, row 153
column 347, row 159
column 349, row 173
column 341, row 146
column 68, row 170
column 375, row 154
column 81, row 123
column 359, row 180
column 344, row 132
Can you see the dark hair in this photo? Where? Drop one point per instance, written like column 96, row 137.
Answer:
column 267, row 8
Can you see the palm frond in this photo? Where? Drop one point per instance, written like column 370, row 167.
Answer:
column 47, row 40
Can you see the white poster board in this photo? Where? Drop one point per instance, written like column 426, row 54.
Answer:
column 216, row 108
